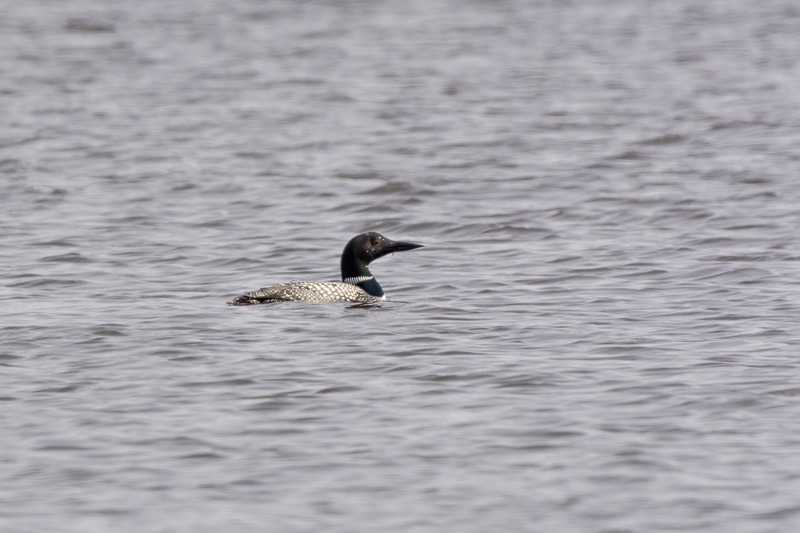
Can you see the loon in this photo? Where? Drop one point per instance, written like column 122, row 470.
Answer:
column 358, row 284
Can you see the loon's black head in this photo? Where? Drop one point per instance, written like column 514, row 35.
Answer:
column 361, row 251
column 369, row 246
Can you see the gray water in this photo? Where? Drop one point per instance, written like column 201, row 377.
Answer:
column 599, row 336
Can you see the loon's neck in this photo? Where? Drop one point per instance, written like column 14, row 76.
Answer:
column 368, row 283
column 357, row 272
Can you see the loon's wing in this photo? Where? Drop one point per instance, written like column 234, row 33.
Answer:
column 315, row 292
column 277, row 293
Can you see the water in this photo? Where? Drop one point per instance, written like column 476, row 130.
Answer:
column 600, row 334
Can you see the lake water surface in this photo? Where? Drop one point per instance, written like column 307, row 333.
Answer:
column 601, row 334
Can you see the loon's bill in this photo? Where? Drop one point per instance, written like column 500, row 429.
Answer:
column 358, row 285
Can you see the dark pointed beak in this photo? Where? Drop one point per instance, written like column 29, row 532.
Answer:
column 397, row 246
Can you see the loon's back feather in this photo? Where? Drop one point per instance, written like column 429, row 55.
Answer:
column 307, row 291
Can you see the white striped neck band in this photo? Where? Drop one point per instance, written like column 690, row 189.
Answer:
column 358, row 279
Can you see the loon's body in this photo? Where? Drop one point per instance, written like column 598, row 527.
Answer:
column 358, row 285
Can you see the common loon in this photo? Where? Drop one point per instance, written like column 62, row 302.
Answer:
column 357, row 285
